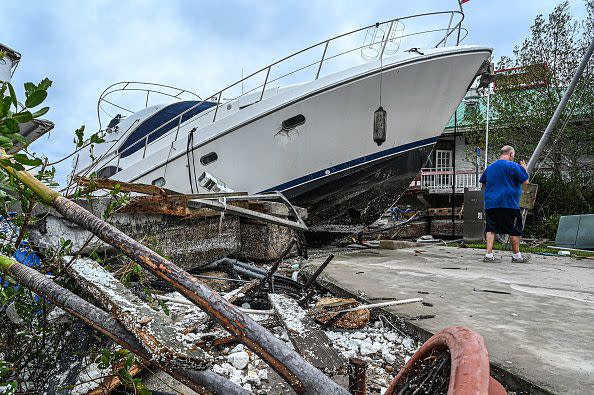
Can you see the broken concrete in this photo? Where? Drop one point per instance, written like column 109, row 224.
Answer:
column 188, row 241
column 538, row 335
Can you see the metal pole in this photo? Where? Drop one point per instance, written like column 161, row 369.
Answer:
column 454, row 174
column 322, row 60
column 547, row 133
column 387, row 38
column 313, row 278
column 487, row 126
column 460, row 24
column 445, row 39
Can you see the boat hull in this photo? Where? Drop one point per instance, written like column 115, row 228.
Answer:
column 329, row 162
column 361, row 194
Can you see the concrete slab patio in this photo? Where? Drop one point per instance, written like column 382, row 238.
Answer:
column 540, row 330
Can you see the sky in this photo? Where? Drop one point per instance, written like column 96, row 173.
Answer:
column 84, row 46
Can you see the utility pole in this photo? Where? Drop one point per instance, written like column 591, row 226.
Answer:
column 560, row 107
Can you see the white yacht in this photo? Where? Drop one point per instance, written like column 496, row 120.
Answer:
column 340, row 128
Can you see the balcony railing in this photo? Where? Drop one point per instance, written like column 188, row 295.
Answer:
column 440, row 180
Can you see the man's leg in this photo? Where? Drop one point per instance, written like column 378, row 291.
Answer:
column 515, row 229
column 515, row 242
column 490, row 242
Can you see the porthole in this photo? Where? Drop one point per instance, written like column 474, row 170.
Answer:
column 108, row 171
column 293, row 122
column 209, row 158
column 159, row 182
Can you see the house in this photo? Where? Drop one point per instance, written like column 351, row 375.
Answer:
column 452, row 156
column 35, row 128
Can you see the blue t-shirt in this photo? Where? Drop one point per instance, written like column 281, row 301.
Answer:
column 503, row 184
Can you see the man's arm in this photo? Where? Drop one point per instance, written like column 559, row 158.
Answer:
column 524, row 166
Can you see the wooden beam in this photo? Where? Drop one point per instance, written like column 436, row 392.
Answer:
column 152, row 328
column 106, row 183
column 309, row 341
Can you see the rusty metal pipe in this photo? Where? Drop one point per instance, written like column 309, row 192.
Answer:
column 204, row 382
column 315, row 276
column 301, row 375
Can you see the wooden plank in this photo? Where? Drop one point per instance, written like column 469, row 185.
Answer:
column 309, row 341
column 106, row 183
column 152, row 328
column 175, row 205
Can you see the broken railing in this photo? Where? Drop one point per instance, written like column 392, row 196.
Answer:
column 301, row 375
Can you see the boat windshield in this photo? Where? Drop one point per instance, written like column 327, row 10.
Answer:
column 159, row 124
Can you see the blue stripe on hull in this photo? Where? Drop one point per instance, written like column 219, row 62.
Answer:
column 352, row 163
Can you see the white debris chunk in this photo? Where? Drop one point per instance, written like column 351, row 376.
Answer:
column 239, row 360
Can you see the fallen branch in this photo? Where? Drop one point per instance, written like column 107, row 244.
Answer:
column 203, row 382
column 301, row 375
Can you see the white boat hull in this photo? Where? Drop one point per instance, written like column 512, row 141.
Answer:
column 329, row 164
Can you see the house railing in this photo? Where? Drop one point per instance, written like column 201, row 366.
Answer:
column 437, row 180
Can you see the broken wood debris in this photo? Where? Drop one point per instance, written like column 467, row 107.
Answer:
column 327, row 312
column 357, row 376
column 306, row 336
column 151, row 327
column 301, row 375
column 201, row 381
column 112, row 382
column 105, row 183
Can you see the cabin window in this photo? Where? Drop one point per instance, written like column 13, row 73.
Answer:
column 293, row 122
column 209, row 158
column 159, row 124
column 108, row 171
column 159, row 182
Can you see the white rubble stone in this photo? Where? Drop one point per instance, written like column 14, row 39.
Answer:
column 238, row 348
column 408, row 343
column 252, row 377
column 263, row 374
column 239, row 360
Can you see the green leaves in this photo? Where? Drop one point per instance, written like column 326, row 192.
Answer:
column 96, row 139
column 35, row 98
column 12, row 113
column 40, row 112
column 80, row 136
column 5, row 142
column 25, row 160
column 23, row 117
column 36, row 94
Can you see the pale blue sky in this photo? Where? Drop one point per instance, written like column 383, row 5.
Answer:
column 83, row 46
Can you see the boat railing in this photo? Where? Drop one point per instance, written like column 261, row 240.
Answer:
column 147, row 89
column 381, row 39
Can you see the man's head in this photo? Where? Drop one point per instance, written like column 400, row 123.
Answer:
column 507, row 152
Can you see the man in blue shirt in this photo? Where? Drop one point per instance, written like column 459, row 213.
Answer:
column 502, row 182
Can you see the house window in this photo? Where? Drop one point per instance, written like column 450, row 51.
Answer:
column 443, row 159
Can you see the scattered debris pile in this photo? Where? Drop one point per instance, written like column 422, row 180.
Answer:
column 252, row 329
